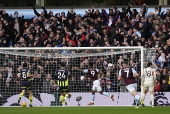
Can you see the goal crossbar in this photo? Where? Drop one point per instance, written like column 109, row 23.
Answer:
column 69, row 48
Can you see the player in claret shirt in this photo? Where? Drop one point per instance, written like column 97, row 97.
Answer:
column 128, row 75
column 93, row 73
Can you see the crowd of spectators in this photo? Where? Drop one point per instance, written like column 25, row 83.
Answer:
column 96, row 28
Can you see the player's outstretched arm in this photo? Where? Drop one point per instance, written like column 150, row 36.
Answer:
column 119, row 76
column 136, row 74
column 154, row 77
column 29, row 75
column 76, row 68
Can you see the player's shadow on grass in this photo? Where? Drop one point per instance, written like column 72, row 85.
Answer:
column 15, row 104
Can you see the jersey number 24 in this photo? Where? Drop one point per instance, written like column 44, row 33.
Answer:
column 61, row 75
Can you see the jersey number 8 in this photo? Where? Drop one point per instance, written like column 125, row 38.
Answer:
column 148, row 73
column 24, row 75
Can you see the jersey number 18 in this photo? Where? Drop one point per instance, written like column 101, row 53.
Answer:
column 148, row 73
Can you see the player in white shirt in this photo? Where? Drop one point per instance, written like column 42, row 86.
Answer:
column 148, row 83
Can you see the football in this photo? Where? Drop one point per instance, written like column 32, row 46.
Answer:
column 24, row 104
column 82, row 78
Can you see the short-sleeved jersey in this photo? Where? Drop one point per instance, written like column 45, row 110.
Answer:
column 24, row 72
column 62, row 76
column 149, row 74
column 92, row 73
column 127, row 75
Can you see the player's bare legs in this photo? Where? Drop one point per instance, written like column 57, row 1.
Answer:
column 107, row 94
column 143, row 97
column 93, row 97
column 102, row 93
column 152, row 97
column 21, row 94
column 136, row 96
column 30, row 97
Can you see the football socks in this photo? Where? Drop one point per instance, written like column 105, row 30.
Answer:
column 152, row 99
column 106, row 94
column 30, row 98
column 62, row 99
column 93, row 97
column 66, row 96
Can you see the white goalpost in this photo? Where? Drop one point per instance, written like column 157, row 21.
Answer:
column 44, row 61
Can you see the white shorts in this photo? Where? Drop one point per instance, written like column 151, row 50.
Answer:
column 131, row 87
column 148, row 85
column 96, row 86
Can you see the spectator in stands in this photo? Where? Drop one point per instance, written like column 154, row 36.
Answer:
column 2, row 82
column 48, row 84
column 161, row 59
column 110, row 19
column 158, row 82
column 5, row 16
column 16, row 17
column 136, row 33
column 43, row 13
column 38, row 82
column 165, row 87
column 168, row 76
column 71, row 14
column 168, row 61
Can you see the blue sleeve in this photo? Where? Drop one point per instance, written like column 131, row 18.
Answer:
column 120, row 73
column 85, row 71
column 133, row 70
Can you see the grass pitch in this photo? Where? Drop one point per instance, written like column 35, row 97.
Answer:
column 84, row 110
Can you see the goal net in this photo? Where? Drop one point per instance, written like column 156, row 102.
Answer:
column 43, row 62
